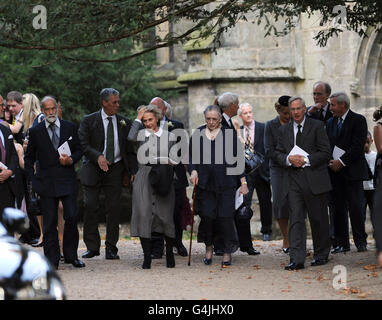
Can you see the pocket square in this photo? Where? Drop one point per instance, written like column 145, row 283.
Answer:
column 70, row 138
column 10, row 136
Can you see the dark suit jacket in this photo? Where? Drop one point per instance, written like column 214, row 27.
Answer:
column 316, row 143
column 352, row 139
column 223, row 181
column 316, row 115
column 52, row 179
column 259, row 147
column 92, row 137
column 11, row 159
column 179, row 169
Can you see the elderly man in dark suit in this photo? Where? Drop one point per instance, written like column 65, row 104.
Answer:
column 56, row 180
column 9, row 159
column 308, row 183
column 109, row 157
column 180, row 184
column 321, row 108
column 252, row 133
column 347, row 131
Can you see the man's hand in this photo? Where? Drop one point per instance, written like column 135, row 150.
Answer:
column 5, row 174
column 296, row 160
column 316, row 107
column 335, row 165
column 103, row 163
column 194, row 178
column 65, row 160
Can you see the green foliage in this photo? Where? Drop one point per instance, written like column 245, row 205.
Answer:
column 77, row 84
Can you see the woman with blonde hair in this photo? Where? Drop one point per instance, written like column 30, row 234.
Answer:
column 32, row 110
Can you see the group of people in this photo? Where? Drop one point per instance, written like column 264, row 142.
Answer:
column 317, row 162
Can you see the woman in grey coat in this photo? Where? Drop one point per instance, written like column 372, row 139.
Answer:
column 152, row 208
column 278, row 174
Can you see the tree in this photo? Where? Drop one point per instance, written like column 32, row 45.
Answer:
column 77, row 84
column 67, row 26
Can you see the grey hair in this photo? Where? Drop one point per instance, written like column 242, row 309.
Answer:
column 212, row 108
column 154, row 110
column 106, row 93
column 226, row 99
column 341, row 97
column 46, row 98
column 242, row 105
column 328, row 88
column 168, row 112
column 16, row 96
column 296, row 98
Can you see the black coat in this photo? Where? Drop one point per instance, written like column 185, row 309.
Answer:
column 352, row 139
column 52, row 179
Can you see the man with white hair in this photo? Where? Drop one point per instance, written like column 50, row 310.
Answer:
column 253, row 135
column 56, row 180
column 229, row 104
column 347, row 132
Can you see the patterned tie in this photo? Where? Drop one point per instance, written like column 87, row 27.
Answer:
column 55, row 139
column 248, row 143
column 298, row 136
column 3, row 152
column 110, row 141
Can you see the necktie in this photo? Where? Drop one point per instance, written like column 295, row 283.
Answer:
column 248, row 143
column 339, row 126
column 55, row 139
column 322, row 114
column 3, row 152
column 110, row 141
column 298, row 136
column 230, row 123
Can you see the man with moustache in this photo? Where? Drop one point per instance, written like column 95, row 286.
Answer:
column 56, row 180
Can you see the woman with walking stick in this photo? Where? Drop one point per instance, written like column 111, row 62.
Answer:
column 215, row 189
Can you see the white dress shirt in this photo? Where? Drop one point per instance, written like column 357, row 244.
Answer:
column 117, row 151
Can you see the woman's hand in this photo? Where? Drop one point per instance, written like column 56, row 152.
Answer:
column 244, row 189
column 194, row 177
column 141, row 112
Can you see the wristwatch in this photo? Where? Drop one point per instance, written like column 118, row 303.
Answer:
column 306, row 160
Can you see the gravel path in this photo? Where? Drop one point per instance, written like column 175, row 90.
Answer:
column 249, row 277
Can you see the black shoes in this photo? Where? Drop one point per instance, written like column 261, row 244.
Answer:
column 340, row 249
column 252, row 251
column 76, row 263
column 286, row 250
column 206, row 261
column 319, row 262
column 111, row 254
column 90, row 254
column 294, row 266
column 181, row 249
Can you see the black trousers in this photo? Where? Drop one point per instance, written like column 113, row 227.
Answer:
column 368, row 202
column 111, row 184
column 303, row 202
column 7, row 199
column 346, row 197
column 49, row 206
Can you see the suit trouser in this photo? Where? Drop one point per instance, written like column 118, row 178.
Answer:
column 111, row 184
column 347, row 197
column 302, row 201
column 369, row 202
column 49, row 206
column 157, row 240
column 7, row 199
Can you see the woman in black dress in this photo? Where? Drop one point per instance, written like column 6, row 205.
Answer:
column 211, row 147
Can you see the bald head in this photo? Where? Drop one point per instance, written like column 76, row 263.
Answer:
column 159, row 102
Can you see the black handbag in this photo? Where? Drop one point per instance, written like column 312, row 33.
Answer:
column 33, row 204
column 244, row 213
column 253, row 160
column 161, row 178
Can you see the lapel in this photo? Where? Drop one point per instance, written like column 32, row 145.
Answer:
column 6, row 144
column 306, row 130
column 290, row 136
column 64, row 134
column 346, row 124
column 98, row 124
column 45, row 136
column 119, row 128
column 257, row 133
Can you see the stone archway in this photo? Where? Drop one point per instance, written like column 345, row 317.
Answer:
column 367, row 87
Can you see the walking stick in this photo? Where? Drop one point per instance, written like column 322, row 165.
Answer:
column 192, row 224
